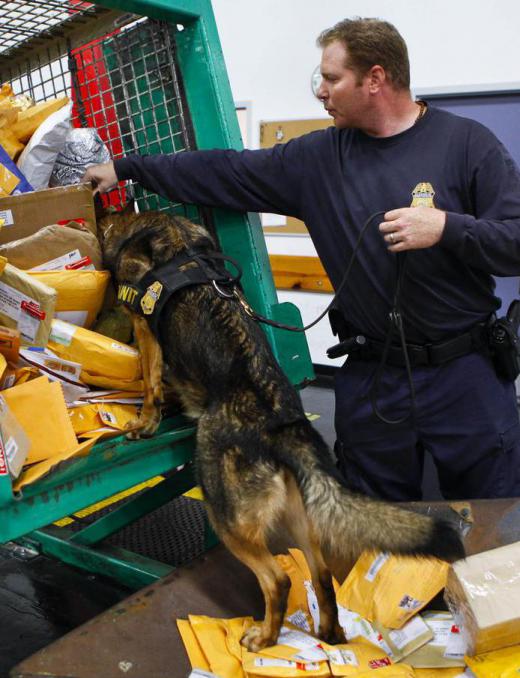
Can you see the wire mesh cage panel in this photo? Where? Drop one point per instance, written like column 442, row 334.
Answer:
column 119, row 70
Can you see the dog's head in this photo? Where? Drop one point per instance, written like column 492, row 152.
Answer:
column 163, row 235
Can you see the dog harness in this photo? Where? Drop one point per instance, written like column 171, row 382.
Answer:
column 149, row 296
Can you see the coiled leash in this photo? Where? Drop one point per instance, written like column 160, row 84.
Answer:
column 396, row 325
column 293, row 328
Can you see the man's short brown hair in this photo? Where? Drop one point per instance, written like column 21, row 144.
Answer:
column 370, row 42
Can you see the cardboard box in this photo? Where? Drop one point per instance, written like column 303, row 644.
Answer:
column 51, row 242
column 24, row 214
column 483, row 591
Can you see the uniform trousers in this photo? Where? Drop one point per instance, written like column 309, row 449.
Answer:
column 464, row 415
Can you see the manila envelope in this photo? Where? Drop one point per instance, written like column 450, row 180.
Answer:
column 193, row 649
column 40, row 409
column 36, row 471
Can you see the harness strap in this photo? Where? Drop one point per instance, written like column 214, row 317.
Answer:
column 149, row 296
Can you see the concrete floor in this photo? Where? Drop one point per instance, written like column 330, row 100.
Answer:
column 42, row 599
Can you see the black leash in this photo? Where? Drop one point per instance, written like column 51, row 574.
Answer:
column 396, row 324
column 293, row 328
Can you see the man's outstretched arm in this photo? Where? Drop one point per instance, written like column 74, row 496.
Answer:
column 267, row 180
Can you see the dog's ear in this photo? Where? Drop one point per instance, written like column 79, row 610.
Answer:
column 99, row 209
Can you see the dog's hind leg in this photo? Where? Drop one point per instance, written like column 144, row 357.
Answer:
column 149, row 418
column 303, row 533
column 275, row 585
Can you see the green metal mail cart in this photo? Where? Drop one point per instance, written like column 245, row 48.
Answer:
column 149, row 75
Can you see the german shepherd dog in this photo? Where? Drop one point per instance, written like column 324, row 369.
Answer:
column 259, row 461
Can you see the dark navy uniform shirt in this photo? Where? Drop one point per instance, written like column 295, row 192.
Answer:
column 335, row 179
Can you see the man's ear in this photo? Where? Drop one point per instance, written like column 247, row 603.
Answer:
column 376, row 78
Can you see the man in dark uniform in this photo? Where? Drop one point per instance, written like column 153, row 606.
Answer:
column 450, row 194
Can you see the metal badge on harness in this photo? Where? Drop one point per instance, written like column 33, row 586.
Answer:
column 151, row 297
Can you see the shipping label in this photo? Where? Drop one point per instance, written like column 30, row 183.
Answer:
column 6, row 218
column 59, row 262
column 11, row 301
column 62, row 333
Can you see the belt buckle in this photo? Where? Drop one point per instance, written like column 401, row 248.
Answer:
column 419, row 355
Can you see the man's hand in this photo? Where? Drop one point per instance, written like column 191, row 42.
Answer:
column 412, row 228
column 103, row 177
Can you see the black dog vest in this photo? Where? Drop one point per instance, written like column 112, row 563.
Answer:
column 149, row 296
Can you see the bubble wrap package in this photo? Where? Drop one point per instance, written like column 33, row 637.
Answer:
column 83, row 147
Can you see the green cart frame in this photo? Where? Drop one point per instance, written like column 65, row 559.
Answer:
column 119, row 464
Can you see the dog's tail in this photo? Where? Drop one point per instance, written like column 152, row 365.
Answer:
column 348, row 524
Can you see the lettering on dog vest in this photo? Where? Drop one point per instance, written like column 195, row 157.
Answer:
column 126, row 293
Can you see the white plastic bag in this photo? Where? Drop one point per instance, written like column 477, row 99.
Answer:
column 38, row 157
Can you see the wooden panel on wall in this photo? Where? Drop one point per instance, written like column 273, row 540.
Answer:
column 302, row 273
column 281, row 131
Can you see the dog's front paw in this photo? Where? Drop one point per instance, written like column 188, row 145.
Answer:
column 255, row 639
column 142, row 427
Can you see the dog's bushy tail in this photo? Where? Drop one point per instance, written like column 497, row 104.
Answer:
column 348, row 524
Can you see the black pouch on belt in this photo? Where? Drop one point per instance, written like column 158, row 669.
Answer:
column 504, row 343
column 349, row 342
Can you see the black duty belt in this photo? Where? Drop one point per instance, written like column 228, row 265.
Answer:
column 359, row 347
column 149, row 296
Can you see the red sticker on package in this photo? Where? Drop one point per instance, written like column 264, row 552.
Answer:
column 380, row 663
column 3, row 461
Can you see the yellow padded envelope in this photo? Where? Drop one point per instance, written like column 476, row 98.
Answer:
column 211, row 636
column 39, row 407
column 504, row 663
column 36, row 471
column 297, row 613
column 193, row 649
column 391, row 589
column 93, row 416
column 80, row 293
column 440, row 673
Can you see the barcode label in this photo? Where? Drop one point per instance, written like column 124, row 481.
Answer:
column 377, row 564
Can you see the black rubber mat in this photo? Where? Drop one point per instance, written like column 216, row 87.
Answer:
column 172, row 534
